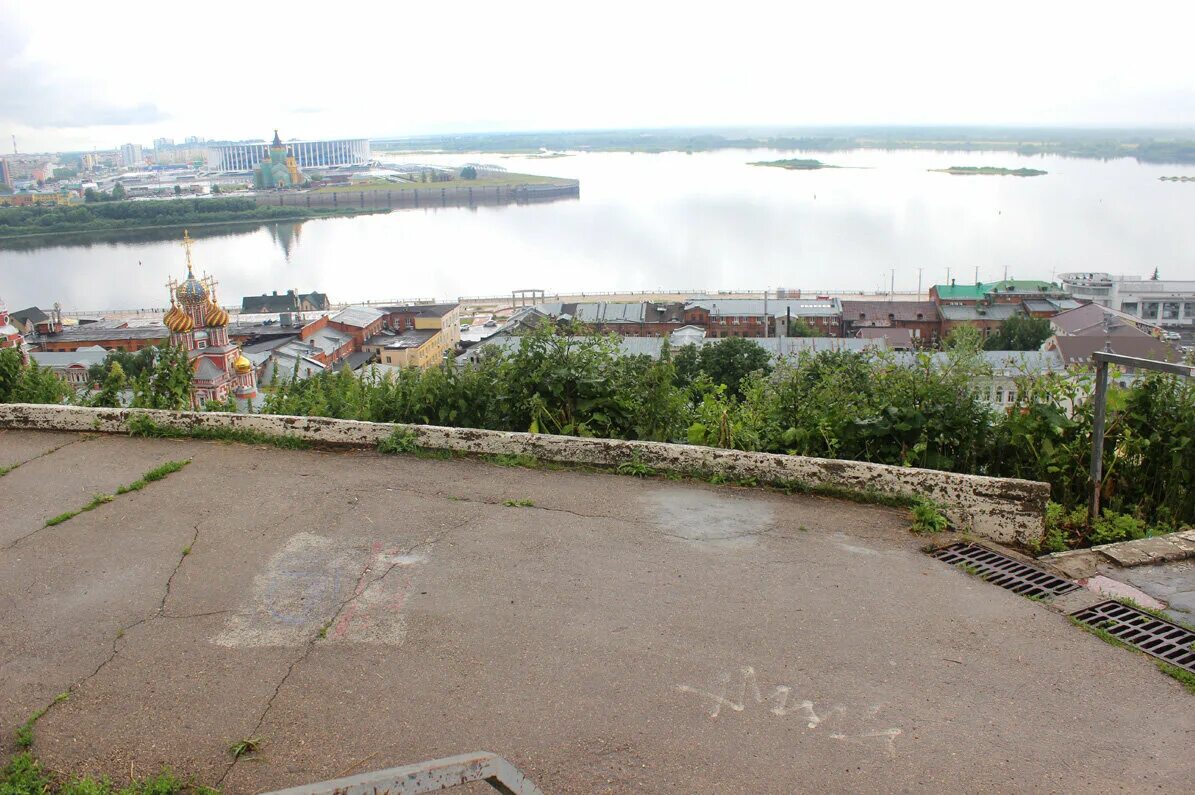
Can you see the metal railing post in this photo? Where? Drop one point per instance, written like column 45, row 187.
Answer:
column 1097, row 437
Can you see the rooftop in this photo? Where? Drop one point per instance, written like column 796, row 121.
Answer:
column 972, row 313
column 359, row 611
column 972, row 292
column 358, row 316
column 424, row 310
column 411, row 338
column 883, row 312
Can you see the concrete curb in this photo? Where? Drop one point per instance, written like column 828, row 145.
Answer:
column 1081, row 563
column 1000, row 509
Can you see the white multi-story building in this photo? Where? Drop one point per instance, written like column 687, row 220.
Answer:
column 132, row 156
column 1166, row 302
column 308, row 154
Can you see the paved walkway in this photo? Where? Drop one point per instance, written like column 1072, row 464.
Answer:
column 357, row 612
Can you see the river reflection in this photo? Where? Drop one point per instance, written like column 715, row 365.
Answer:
column 647, row 221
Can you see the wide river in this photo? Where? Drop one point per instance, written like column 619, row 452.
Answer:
column 704, row 221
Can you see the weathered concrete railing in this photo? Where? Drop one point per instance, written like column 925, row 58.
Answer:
column 1001, row 509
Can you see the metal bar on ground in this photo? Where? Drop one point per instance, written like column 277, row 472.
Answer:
column 430, row 776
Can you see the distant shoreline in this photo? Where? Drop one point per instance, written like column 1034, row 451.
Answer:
column 1143, row 145
column 990, row 171
column 795, row 164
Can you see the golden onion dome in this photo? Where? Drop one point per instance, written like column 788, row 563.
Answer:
column 242, row 364
column 216, row 316
column 177, row 320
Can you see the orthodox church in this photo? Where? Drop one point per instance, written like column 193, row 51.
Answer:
column 199, row 326
column 278, row 169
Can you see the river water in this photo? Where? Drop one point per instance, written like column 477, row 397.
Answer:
column 649, row 221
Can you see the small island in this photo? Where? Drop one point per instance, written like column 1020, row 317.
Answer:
column 795, row 164
column 999, row 172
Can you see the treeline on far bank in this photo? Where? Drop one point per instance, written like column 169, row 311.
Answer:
column 914, row 410
column 101, row 216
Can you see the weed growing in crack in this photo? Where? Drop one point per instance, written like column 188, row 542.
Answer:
column 1129, row 602
column 157, row 473
column 400, row 440
column 636, row 467
column 518, row 503
column 1101, row 632
column 143, row 425
column 23, row 736
column 928, row 517
column 249, row 745
column 521, row 460
column 1183, row 677
column 5, row 470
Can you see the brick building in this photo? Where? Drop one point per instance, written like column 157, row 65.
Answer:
column 919, row 317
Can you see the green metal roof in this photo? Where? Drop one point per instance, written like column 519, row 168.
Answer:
column 974, row 292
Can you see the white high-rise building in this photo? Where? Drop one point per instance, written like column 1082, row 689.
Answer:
column 131, row 155
column 1166, row 302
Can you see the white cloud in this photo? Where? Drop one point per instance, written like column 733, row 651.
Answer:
column 97, row 74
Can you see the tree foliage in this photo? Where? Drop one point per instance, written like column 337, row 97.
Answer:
column 1019, row 333
column 917, row 410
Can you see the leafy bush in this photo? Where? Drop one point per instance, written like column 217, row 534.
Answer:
column 1113, row 527
column 400, row 440
column 928, row 517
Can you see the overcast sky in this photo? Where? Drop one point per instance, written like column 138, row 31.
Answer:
column 95, row 75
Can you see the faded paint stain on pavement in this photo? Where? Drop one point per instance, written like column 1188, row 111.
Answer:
column 316, row 586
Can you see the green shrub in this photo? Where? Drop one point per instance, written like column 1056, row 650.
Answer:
column 1113, row 527
column 928, row 517
column 400, row 440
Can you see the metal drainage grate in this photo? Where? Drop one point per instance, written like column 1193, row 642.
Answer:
column 1004, row 571
column 1152, row 635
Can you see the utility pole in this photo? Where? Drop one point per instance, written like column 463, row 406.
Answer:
column 767, row 320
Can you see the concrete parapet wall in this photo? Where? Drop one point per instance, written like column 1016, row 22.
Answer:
column 1000, row 509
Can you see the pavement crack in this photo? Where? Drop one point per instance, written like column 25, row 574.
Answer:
column 19, row 464
column 160, row 612
column 170, row 580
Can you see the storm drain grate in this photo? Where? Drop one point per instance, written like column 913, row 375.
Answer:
column 1152, row 635
column 1004, row 571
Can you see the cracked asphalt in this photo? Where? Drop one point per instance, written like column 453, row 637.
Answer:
column 356, row 611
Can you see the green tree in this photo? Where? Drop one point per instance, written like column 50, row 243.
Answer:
column 91, row 195
column 110, row 393
column 468, row 172
column 799, row 327
column 1019, row 333
column 11, row 366
column 166, row 385
column 118, row 192
column 22, row 382
column 178, row 190
column 728, row 361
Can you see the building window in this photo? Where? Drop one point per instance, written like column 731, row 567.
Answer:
column 1189, row 310
column 999, row 394
column 1151, row 310
column 1170, row 310
column 1012, row 396
column 1130, row 308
